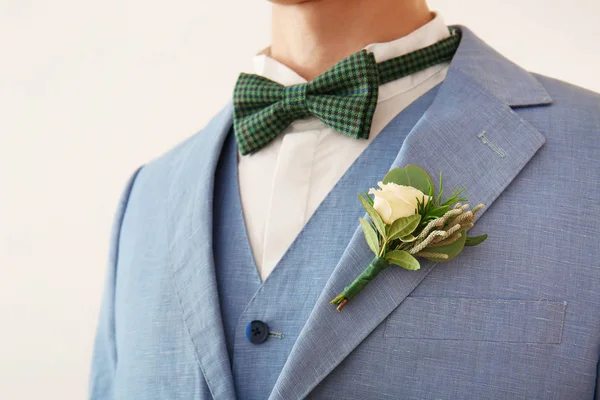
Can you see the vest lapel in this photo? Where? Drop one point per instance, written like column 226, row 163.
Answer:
column 471, row 134
column 190, row 208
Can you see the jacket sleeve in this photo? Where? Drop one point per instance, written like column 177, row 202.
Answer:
column 104, row 358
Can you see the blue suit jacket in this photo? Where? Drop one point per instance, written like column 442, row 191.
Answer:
column 519, row 317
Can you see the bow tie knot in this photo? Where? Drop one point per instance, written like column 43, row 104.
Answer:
column 294, row 100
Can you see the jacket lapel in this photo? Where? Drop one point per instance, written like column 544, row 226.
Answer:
column 472, row 135
column 190, row 208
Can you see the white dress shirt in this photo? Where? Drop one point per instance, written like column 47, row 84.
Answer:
column 282, row 184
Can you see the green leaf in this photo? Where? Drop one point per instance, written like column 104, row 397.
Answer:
column 374, row 215
column 369, row 198
column 439, row 211
column 441, row 187
column 411, row 175
column 452, row 249
column 403, row 226
column 475, row 240
column 402, row 259
column 408, row 238
column 370, row 235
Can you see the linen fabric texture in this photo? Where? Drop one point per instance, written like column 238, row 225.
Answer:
column 515, row 318
column 242, row 295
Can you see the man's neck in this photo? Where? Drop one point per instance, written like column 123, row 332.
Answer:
column 312, row 36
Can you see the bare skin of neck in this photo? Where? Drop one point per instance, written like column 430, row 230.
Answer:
column 312, row 36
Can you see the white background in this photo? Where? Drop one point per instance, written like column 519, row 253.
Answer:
column 91, row 90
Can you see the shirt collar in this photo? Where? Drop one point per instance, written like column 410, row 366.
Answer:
column 430, row 33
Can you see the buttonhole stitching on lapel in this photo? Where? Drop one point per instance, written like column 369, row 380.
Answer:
column 497, row 149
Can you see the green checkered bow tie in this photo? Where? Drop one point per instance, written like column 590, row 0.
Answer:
column 343, row 97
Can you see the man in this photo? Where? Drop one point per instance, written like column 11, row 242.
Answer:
column 227, row 250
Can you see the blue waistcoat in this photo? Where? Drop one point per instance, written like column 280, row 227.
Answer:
column 289, row 293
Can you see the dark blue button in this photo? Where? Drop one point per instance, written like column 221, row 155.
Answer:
column 257, row 331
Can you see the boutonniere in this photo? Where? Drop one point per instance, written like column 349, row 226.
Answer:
column 406, row 223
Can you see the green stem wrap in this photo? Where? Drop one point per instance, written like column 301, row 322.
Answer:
column 374, row 268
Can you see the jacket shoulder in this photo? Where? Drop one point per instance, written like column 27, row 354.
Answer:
column 574, row 113
column 568, row 94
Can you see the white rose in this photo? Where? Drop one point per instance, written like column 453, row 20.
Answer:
column 395, row 201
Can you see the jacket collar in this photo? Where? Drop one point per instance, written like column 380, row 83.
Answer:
column 500, row 77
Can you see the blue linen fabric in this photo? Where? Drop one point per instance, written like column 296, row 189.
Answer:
column 517, row 317
column 285, row 299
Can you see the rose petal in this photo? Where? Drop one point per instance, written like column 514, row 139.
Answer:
column 403, row 209
column 383, row 208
